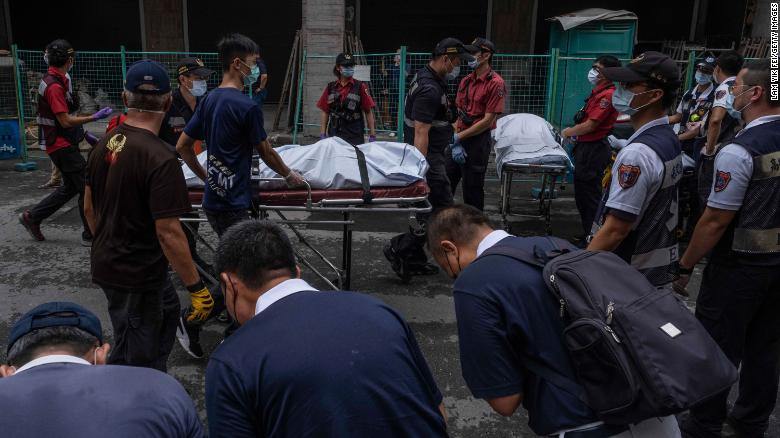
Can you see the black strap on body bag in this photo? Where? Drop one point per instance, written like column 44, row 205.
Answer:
column 361, row 159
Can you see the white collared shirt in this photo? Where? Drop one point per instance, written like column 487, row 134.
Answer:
column 490, row 240
column 281, row 290
column 52, row 358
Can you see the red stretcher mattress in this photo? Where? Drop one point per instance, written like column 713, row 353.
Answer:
column 298, row 197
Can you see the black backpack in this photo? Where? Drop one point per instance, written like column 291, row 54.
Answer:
column 638, row 351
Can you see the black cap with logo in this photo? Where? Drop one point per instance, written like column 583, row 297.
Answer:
column 647, row 66
column 192, row 65
column 452, row 46
column 147, row 77
column 345, row 59
column 706, row 62
column 481, row 45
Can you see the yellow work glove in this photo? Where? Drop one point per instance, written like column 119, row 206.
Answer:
column 202, row 302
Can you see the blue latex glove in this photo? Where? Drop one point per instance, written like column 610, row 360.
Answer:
column 371, row 138
column 458, row 153
column 102, row 114
column 90, row 138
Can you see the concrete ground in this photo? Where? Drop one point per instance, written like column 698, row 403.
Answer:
column 58, row 269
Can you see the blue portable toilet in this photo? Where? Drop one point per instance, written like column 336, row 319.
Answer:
column 10, row 140
column 581, row 37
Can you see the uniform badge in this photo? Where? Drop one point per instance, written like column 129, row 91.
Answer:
column 628, row 175
column 501, row 92
column 603, row 103
column 722, row 180
column 720, row 94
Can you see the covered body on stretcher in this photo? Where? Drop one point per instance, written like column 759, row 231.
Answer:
column 332, row 169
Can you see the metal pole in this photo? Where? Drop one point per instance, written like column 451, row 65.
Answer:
column 401, row 95
column 20, row 108
column 552, row 69
column 690, row 69
column 124, row 64
column 298, row 100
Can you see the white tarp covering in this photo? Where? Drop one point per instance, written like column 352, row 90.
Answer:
column 527, row 138
column 578, row 18
column 332, row 164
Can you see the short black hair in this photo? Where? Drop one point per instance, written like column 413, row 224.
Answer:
column 758, row 74
column 72, row 339
column 730, row 62
column 234, row 46
column 458, row 223
column 58, row 52
column 608, row 61
column 256, row 251
column 670, row 90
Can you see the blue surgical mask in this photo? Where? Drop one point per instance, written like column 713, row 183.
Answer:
column 621, row 100
column 347, row 72
column 733, row 112
column 593, row 76
column 452, row 74
column 253, row 76
column 474, row 62
column 199, row 88
column 702, row 78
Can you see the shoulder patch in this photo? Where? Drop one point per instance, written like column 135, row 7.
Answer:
column 720, row 94
column 628, row 175
column 603, row 103
column 501, row 91
column 722, row 180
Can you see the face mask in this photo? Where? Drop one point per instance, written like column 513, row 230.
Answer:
column 198, row 88
column 474, row 63
column 347, row 72
column 452, row 74
column 703, row 78
column 146, row 111
column 593, row 76
column 733, row 112
column 253, row 76
column 621, row 100
column 46, row 58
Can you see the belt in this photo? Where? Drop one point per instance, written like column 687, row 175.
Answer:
column 434, row 123
column 602, row 431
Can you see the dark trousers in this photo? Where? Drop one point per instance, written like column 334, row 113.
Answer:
column 473, row 171
column 259, row 98
column 590, row 161
column 739, row 307
column 144, row 322
column 72, row 165
column 220, row 221
column 410, row 246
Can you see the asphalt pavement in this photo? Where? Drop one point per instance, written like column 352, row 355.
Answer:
column 58, row 269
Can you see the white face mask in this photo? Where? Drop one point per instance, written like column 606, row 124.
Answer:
column 199, row 88
column 593, row 76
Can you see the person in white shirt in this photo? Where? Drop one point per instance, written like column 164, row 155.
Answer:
column 720, row 125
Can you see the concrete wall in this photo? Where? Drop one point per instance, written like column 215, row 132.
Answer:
column 323, row 33
column 163, row 25
column 761, row 19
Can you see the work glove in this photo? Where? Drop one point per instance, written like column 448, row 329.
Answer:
column 202, row 302
column 294, row 179
column 617, row 143
column 371, row 138
column 90, row 138
column 102, row 113
column 458, row 153
column 323, row 136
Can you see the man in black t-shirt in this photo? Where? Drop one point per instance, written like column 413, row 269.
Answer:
column 134, row 197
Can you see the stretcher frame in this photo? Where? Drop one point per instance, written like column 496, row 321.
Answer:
column 344, row 208
column 552, row 175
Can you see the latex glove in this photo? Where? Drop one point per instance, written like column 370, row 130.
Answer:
column 458, row 153
column 681, row 284
column 90, row 138
column 294, row 179
column 323, row 136
column 102, row 113
column 371, row 138
column 455, row 138
column 617, row 143
column 202, row 304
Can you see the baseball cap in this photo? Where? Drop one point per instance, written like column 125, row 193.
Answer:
column 480, row 44
column 648, row 65
column 147, row 72
column 345, row 59
column 56, row 314
column 451, row 46
column 194, row 66
column 707, row 62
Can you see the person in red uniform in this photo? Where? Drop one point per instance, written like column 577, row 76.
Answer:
column 62, row 131
column 346, row 105
column 480, row 100
column 592, row 153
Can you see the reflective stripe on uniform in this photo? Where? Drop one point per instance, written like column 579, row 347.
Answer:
column 656, row 258
column 766, row 166
column 45, row 121
column 756, row 241
column 435, row 123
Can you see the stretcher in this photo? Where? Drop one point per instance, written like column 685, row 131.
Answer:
column 550, row 175
column 410, row 200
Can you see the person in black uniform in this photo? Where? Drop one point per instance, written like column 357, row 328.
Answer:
column 428, row 120
column 346, row 105
column 193, row 75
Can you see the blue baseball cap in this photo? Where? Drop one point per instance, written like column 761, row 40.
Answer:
column 147, row 72
column 56, row 314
